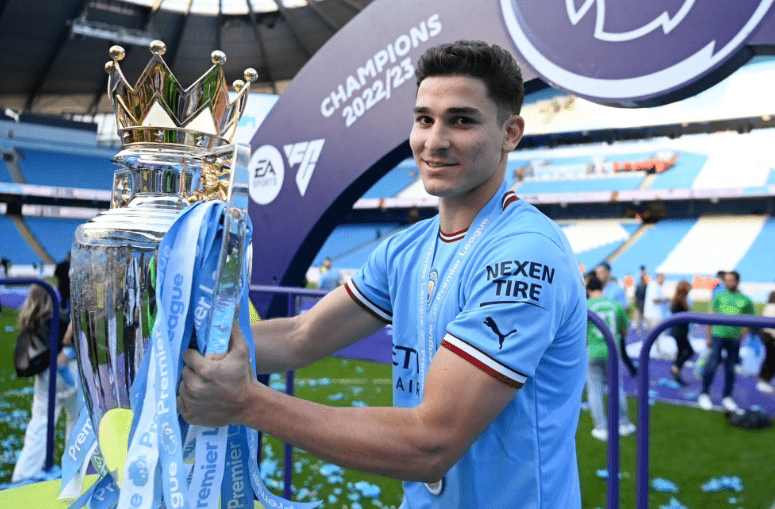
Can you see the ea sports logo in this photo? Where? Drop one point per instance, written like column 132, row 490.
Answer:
column 267, row 171
column 628, row 50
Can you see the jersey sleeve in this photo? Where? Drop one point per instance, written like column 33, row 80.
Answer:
column 369, row 287
column 517, row 294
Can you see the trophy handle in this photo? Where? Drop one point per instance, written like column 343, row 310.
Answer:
column 228, row 276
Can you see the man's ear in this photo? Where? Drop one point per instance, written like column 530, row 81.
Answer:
column 515, row 127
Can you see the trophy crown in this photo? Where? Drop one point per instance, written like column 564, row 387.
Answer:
column 159, row 110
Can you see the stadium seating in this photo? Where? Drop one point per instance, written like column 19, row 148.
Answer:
column 712, row 244
column 682, row 175
column 757, row 264
column 396, row 180
column 579, row 185
column 5, row 175
column 350, row 244
column 16, row 248
column 56, row 235
column 594, row 241
column 66, row 170
column 653, row 247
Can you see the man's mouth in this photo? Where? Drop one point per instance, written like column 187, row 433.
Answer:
column 439, row 164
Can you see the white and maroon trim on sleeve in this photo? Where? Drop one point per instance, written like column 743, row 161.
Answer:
column 509, row 198
column 365, row 303
column 483, row 361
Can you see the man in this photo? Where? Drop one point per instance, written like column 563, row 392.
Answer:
column 611, row 289
column 329, row 278
column 489, row 321
column 640, row 298
column 613, row 314
column 725, row 337
column 654, row 308
column 720, row 286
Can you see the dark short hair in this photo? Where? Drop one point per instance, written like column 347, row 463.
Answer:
column 721, row 274
column 593, row 283
column 490, row 63
column 605, row 265
column 734, row 273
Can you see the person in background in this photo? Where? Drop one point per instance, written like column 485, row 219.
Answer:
column 680, row 332
column 655, row 303
column 719, row 286
column 611, row 289
column 32, row 354
column 655, row 309
column 640, row 299
column 613, row 313
column 329, row 277
column 62, row 273
column 768, row 338
column 725, row 337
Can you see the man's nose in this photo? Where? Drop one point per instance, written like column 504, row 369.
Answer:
column 438, row 138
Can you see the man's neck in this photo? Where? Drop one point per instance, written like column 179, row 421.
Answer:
column 458, row 212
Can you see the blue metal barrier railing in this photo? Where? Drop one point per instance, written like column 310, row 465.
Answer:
column 613, row 410
column 643, row 382
column 53, row 346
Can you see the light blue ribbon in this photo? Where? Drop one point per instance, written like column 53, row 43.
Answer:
column 81, row 439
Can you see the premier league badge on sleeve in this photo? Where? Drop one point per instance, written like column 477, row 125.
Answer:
column 433, row 278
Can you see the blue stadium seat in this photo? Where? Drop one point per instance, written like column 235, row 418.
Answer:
column 682, row 174
column 579, row 185
column 5, row 175
column 652, row 247
column 14, row 246
column 56, row 235
column 350, row 244
column 66, row 170
column 590, row 259
column 395, row 181
column 756, row 265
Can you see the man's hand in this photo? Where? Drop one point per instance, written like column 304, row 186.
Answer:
column 213, row 390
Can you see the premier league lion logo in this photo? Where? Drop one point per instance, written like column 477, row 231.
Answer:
column 630, row 52
column 138, row 471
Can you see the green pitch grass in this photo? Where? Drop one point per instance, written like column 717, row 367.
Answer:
column 688, row 446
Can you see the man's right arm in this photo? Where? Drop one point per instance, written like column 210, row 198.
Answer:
column 335, row 322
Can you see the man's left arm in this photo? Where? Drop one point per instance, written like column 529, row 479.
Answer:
column 410, row 444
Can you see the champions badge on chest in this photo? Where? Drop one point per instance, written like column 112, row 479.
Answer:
column 167, row 263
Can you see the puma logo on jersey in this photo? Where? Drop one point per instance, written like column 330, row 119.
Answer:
column 489, row 322
column 306, row 155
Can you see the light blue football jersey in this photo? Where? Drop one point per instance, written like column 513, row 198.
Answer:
column 514, row 307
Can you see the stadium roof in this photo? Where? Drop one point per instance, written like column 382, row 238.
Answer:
column 54, row 53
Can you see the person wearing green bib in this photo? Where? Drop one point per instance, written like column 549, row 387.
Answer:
column 725, row 337
column 613, row 313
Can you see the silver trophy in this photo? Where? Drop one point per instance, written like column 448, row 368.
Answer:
column 175, row 151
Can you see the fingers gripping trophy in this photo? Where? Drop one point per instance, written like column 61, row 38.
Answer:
column 163, row 269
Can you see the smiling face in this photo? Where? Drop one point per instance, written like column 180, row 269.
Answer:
column 459, row 145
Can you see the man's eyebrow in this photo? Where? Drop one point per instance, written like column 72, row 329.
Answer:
column 459, row 110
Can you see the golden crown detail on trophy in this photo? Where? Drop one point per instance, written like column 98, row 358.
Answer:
column 159, row 110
